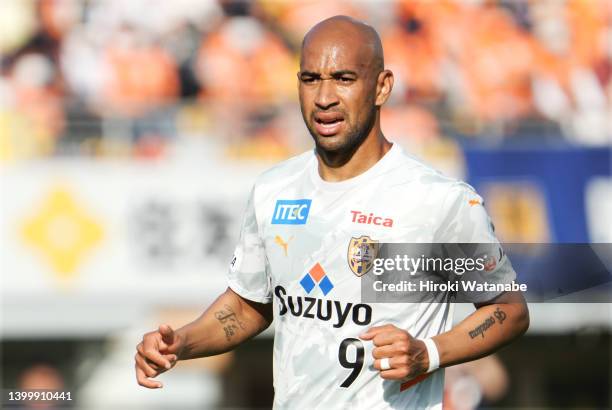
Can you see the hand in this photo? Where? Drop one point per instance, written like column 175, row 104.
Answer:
column 407, row 356
column 157, row 353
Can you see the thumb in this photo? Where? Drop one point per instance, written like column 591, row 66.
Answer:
column 167, row 334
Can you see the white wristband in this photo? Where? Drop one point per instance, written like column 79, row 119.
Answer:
column 432, row 352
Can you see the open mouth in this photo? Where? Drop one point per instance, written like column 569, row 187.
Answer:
column 328, row 123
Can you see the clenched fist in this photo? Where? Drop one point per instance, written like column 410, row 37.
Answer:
column 398, row 355
column 157, row 353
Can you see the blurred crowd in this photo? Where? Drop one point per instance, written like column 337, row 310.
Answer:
column 131, row 78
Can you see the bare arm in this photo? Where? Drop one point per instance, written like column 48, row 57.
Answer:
column 491, row 326
column 229, row 321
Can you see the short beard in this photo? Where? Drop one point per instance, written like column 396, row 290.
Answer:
column 343, row 152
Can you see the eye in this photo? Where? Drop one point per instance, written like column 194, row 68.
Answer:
column 346, row 80
column 308, row 80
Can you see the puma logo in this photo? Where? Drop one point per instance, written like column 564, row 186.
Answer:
column 282, row 243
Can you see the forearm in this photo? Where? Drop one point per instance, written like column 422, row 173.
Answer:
column 229, row 321
column 484, row 331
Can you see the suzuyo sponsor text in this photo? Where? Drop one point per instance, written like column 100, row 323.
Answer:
column 334, row 311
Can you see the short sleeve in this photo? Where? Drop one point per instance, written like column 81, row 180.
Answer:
column 465, row 221
column 249, row 271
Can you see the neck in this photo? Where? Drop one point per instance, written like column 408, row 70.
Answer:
column 336, row 167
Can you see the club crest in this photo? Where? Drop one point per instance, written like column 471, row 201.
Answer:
column 361, row 254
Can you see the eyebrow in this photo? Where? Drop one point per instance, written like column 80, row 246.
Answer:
column 335, row 74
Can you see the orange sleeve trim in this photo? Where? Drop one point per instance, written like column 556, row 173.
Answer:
column 412, row 382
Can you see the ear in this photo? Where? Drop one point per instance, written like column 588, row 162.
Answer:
column 384, row 85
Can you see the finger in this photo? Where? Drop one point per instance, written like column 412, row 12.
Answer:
column 167, row 334
column 397, row 348
column 145, row 382
column 395, row 362
column 172, row 358
column 383, row 351
column 153, row 355
column 373, row 331
column 148, row 370
column 394, row 374
column 141, row 350
column 387, row 338
column 154, row 366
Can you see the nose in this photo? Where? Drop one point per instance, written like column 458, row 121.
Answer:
column 326, row 94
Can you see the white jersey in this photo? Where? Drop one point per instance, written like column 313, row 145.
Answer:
column 297, row 251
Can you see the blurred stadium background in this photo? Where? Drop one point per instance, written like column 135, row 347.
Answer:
column 131, row 132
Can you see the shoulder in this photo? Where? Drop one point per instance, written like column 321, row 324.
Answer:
column 438, row 196
column 291, row 166
column 283, row 174
column 411, row 170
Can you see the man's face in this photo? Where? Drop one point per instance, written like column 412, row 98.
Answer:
column 337, row 89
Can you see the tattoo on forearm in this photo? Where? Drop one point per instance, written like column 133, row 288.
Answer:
column 230, row 322
column 499, row 314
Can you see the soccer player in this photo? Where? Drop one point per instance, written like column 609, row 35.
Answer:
column 331, row 350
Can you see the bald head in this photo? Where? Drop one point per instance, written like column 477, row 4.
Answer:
column 345, row 31
column 342, row 84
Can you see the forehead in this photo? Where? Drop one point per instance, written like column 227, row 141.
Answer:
column 334, row 51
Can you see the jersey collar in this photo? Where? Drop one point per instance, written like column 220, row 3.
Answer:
column 381, row 165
